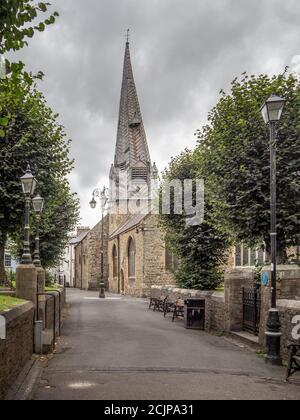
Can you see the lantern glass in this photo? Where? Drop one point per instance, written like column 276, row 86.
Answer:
column 28, row 182
column 33, row 186
column 93, row 203
column 38, row 204
column 273, row 108
column 275, row 111
column 264, row 112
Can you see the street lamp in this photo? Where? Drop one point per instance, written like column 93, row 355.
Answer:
column 272, row 112
column 103, row 197
column 28, row 185
column 93, row 203
column 38, row 205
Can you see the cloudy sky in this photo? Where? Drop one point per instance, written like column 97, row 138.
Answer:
column 183, row 53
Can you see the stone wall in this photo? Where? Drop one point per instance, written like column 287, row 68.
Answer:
column 154, row 260
column 88, row 255
column 215, row 308
column 287, row 289
column 132, row 286
column 149, row 260
column 16, row 351
column 235, row 281
column 288, row 309
column 94, row 256
column 49, row 315
column 224, row 312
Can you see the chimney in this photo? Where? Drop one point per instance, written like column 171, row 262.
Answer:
column 82, row 229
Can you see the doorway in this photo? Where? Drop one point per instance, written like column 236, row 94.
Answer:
column 122, row 283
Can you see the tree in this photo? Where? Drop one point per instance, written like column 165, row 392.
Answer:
column 202, row 249
column 19, row 21
column 236, row 160
column 31, row 134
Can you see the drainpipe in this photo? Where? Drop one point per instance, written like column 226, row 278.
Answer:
column 119, row 266
column 70, row 266
column 81, row 267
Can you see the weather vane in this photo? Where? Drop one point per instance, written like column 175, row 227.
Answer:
column 128, row 35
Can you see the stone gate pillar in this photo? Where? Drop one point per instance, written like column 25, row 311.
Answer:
column 26, row 282
column 235, row 280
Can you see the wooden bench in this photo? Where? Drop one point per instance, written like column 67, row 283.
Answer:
column 169, row 306
column 154, row 296
column 178, row 310
column 294, row 360
column 160, row 303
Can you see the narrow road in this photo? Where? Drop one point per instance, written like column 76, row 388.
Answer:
column 118, row 349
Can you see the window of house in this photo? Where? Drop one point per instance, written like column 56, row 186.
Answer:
column 131, row 258
column 238, row 256
column 7, row 260
column 298, row 253
column 247, row 257
column 171, row 261
column 115, row 261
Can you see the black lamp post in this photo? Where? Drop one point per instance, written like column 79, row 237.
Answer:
column 38, row 205
column 102, row 194
column 272, row 112
column 28, row 185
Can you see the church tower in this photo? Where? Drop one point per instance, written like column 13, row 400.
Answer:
column 132, row 173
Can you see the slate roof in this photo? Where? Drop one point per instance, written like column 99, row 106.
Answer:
column 130, row 223
column 78, row 239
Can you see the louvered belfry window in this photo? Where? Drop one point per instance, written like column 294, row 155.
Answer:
column 139, row 174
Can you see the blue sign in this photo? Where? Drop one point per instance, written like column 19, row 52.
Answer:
column 264, row 279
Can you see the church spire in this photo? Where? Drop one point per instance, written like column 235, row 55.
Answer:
column 131, row 147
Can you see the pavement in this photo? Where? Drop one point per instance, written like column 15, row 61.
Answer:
column 118, row 349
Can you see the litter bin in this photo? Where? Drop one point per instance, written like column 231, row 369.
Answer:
column 194, row 314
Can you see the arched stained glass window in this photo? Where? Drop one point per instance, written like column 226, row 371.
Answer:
column 131, row 258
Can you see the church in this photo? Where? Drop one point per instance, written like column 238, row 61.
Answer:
column 134, row 253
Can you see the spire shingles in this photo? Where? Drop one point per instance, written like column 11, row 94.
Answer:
column 131, row 147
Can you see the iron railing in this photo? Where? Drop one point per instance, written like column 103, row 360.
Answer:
column 251, row 310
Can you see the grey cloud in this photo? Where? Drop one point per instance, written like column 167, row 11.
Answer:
column 183, row 52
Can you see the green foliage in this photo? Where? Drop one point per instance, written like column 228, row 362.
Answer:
column 11, row 278
column 19, row 21
column 50, row 280
column 236, row 160
column 31, row 134
column 257, row 275
column 8, row 302
column 202, row 249
column 233, row 158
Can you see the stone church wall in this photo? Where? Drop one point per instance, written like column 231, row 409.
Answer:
column 88, row 258
column 132, row 286
column 155, row 272
column 95, row 253
column 149, row 260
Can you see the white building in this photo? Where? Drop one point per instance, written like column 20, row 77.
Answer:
column 65, row 272
column 10, row 263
